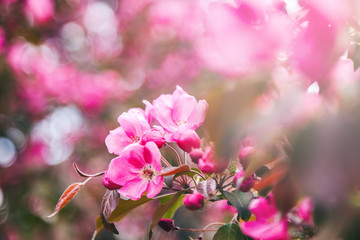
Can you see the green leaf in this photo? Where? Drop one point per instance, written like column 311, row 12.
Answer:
column 150, row 234
column 125, row 206
column 171, row 211
column 240, row 201
column 163, row 208
column 229, row 231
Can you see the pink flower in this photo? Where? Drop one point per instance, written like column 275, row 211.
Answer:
column 134, row 129
column 242, row 184
column 40, row 10
column 137, row 170
column 177, row 112
column 194, row 201
column 209, row 164
column 321, row 41
column 269, row 225
column 305, row 209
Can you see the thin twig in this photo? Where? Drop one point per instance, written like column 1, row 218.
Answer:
column 176, row 153
column 165, row 162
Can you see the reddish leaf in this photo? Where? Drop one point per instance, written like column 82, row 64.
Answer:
column 82, row 174
column 109, row 203
column 65, row 198
column 271, row 178
column 175, row 170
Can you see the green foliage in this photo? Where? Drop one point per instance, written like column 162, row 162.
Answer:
column 229, row 231
column 240, row 201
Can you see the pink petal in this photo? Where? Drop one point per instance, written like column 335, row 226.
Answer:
column 134, row 155
column 197, row 116
column 276, row 230
column 178, row 92
column 120, row 171
column 152, row 155
column 162, row 113
column 155, row 186
column 117, row 140
column 134, row 189
column 182, row 108
column 134, row 124
column 263, row 208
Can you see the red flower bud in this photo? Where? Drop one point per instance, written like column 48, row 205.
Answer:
column 194, row 201
column 153, row 135
column 196, row 154
column 187, row 140
column 242, row 184
column 167, row 224
column 108, row 183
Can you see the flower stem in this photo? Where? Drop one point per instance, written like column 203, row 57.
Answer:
column 196, row 230
column 176, row 153
column 165, row 161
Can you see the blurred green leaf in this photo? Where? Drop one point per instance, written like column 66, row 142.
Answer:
column 240, row 201
column 171, row 211
column 229, row 231
column 163, row 208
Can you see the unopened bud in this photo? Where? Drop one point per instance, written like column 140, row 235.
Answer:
column 196, row 154
column 243, row 184
column 194, row 201
column 108, row 183
column 167, row 224
column 187, row 140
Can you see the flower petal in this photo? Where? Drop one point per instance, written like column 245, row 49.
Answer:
column 134, row 189
column 275, row 230
column 152, row 155
column 182, row 108
column 120, row 171
column 155, row 186
column 134, row 124
column 197, row 116
column 117, row 140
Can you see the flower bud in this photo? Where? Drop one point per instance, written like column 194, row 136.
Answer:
column 108, row 183
column 194, row 201
column 187, row 140
column 196, row 154
column 242, row 184
column 167, row 224
column 206, row 166
column 244, row 154
column 153, row 135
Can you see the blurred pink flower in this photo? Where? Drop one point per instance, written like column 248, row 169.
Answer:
column 177, row 112
column 2, row 40
column 321, row 41
column 305, row 210
column 243, row 184
column 134, row 129
column 40, row 10
column 137, row 170
column 244, row 36
column 208, row 162
column 269, row 225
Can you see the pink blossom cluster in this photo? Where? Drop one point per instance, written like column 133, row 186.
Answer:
column 137, row 141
